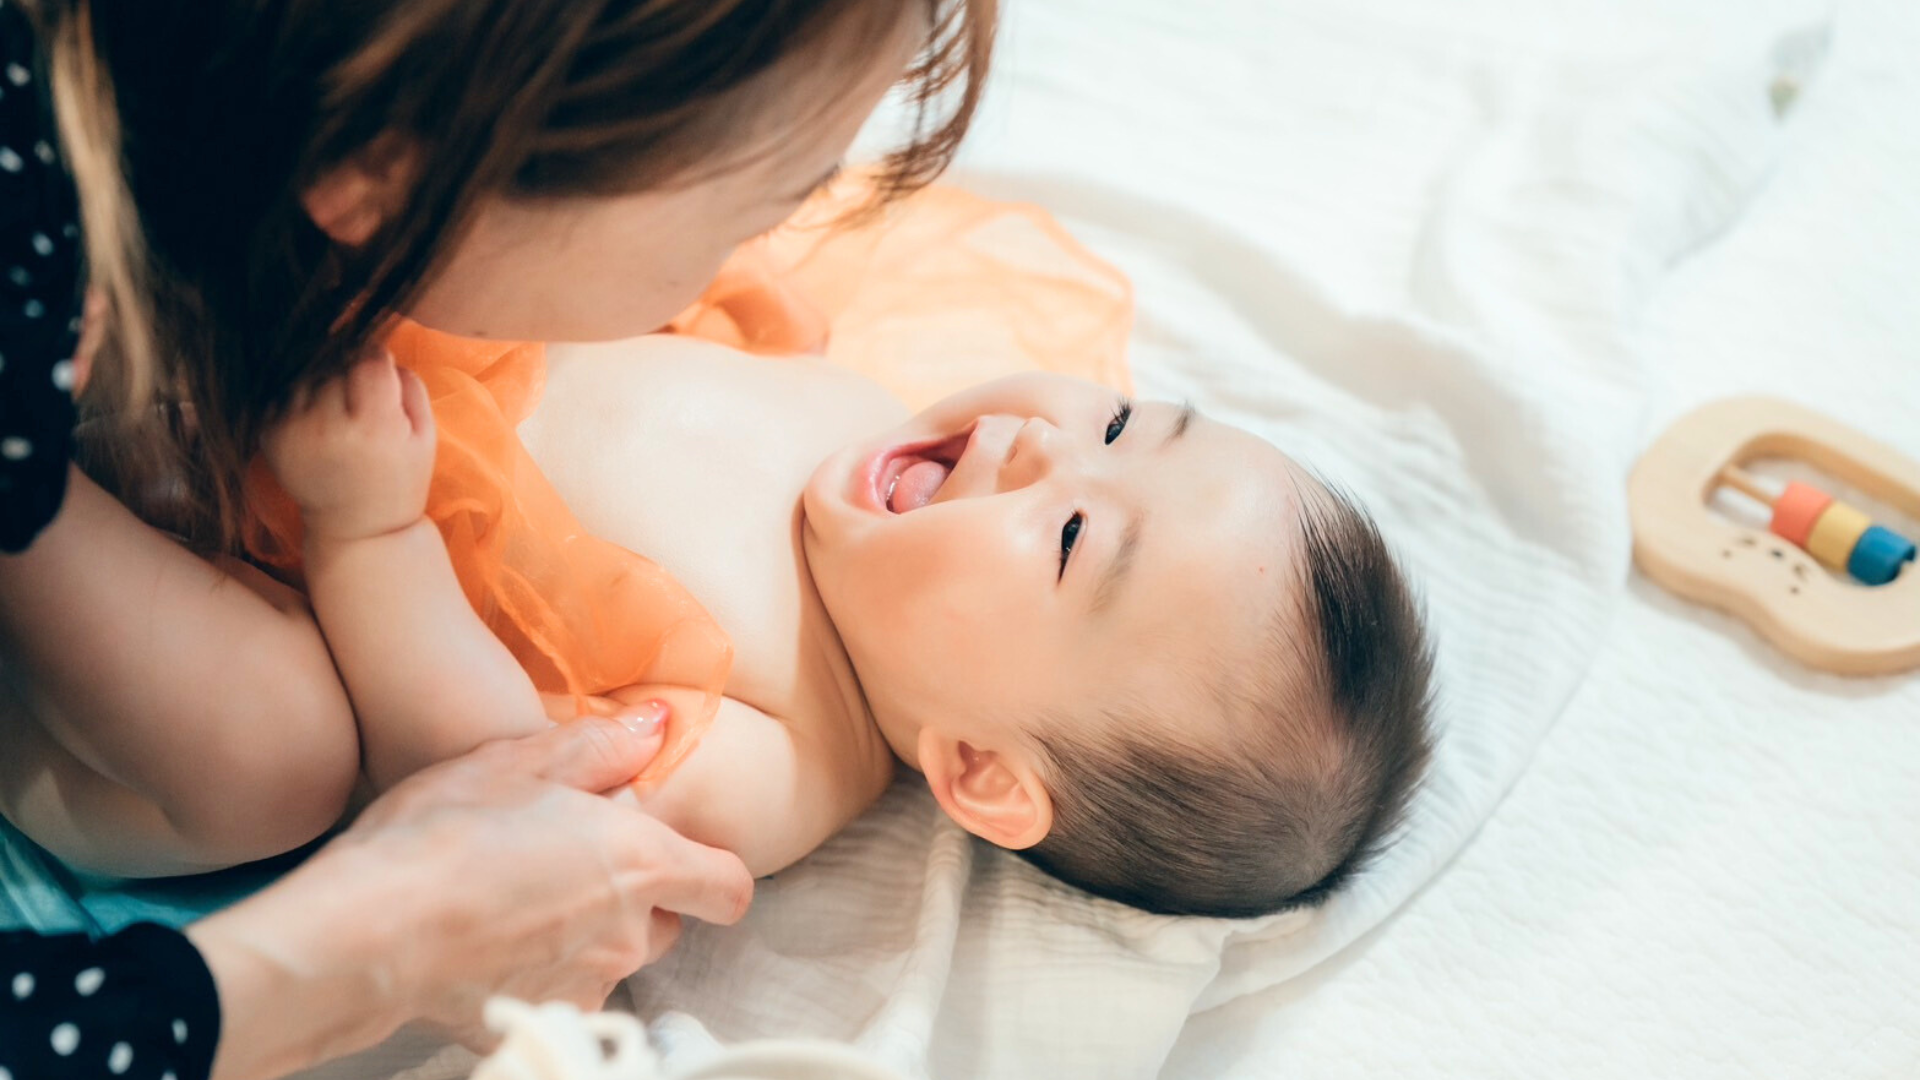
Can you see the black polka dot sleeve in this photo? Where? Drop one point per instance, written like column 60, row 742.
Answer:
column 139, row 1005
column 41, row 292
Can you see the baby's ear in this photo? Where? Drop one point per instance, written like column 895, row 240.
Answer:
column 995, row 795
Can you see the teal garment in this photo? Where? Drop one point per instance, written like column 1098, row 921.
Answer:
column 38, row 892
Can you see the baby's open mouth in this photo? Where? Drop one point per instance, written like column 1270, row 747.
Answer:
column 911, row 480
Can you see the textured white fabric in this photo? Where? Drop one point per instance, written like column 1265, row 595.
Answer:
column 1710, row 868
column 1463, row 257
column 556, row 1041
column 1416, row 249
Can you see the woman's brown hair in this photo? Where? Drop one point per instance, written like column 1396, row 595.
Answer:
column 195, row 126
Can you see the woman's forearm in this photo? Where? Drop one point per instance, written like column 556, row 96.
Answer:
column 304, row 970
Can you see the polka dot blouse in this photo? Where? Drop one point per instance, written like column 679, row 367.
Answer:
column 41, row 294
column 138, row 1005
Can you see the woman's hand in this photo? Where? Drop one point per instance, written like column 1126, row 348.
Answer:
column 502, row 872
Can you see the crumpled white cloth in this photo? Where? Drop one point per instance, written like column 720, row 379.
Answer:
column 556, row 1041
column 1411, row 243
column 1412, row 247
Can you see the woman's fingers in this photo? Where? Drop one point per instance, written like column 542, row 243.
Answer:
column 689, row 878
column 594, row 753
column 661, row 935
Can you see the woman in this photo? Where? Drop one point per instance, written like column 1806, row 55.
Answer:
column 263, row 186
column 502, row 872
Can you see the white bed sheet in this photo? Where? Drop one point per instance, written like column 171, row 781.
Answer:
column 1451, row 252
column 1416, row 244
column 1712, row 867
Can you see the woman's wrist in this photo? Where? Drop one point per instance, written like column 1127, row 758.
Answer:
column 304, row 969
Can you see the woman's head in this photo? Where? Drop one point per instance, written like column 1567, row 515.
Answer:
column 303, row 170
column 1134, row 642
column 648, row 171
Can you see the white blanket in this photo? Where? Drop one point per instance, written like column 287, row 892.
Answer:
column 1429, row 248
column 1417, row 255
column 1710, row 868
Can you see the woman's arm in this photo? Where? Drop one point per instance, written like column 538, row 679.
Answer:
column 195, row 697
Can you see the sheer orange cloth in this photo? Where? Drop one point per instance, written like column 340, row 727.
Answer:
column 940, row 292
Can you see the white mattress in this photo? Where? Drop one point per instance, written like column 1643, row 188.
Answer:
column 1465, row 257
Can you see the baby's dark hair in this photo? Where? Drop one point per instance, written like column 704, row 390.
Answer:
column 1336, row 725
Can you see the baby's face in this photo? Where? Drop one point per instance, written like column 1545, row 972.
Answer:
column 1037, row 545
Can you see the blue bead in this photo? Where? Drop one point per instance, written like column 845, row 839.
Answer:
column 1877, row 557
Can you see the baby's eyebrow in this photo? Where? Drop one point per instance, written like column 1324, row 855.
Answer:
column 1181, row 422
column 1115, row 574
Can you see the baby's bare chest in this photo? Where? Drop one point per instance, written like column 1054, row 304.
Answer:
column 695, row 458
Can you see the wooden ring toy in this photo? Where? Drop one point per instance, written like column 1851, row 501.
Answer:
column 1774, row 579
column 1795, row 510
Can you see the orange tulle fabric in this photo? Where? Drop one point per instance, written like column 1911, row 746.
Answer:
column 944, row 291
column 939, row 292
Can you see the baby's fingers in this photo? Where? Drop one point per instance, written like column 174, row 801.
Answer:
column 414, row 402
column 318, row 403
column 372, row 385
column 308, row 415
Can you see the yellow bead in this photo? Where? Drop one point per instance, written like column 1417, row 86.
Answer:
column 1839, row 528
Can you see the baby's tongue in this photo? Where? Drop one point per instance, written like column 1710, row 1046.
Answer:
column 916, row 486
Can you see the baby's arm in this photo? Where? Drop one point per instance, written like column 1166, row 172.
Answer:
column 428, row 680
column 754, row 786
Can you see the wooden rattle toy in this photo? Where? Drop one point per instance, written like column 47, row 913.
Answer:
column 1778, row 580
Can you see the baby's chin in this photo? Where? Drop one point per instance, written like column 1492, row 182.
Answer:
column 830, row 526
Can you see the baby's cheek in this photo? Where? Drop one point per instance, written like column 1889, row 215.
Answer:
column 941, row 627
column 941, row 595
column 994, row 642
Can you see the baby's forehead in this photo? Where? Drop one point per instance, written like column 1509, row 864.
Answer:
column 1223, row 585
column 1252, row 516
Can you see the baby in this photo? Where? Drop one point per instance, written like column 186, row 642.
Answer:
column 1139, row 646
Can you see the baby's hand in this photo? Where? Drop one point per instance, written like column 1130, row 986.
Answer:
column 356, row 453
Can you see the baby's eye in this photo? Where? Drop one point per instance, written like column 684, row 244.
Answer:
column 1118, row 424
column 1068, row 535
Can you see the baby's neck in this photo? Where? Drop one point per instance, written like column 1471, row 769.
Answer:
column 830, row 688
column 695, row 457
